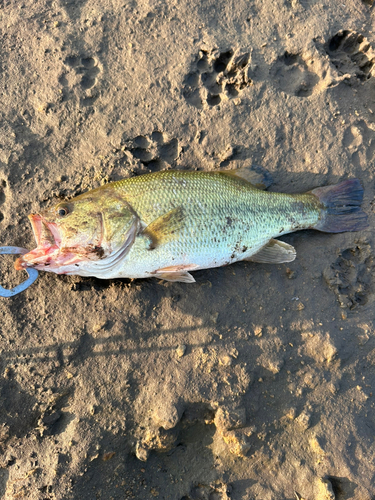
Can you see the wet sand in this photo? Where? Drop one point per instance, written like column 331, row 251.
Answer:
column 258, row 381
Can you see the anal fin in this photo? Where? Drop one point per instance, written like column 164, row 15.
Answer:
column 181, row 276
column 275, row 252
column 176, row 273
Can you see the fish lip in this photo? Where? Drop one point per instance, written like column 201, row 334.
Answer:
column 48, row 242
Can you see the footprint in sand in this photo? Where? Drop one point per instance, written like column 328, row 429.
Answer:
column 352, row 54
column 359, row 142
column 351, row 276
column 155, row 151
column 215, row 76
column 86, row 72
column 294, row 74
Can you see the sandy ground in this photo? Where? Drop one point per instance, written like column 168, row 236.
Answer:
column 258, row 381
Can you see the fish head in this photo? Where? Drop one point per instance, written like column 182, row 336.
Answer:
column 72, row 234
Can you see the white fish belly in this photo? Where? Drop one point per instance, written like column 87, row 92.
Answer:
column 141, row 262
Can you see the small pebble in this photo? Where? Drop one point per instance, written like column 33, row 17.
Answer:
column 304, row 419
column 167, row 416
column 180, row 351
column 291, row 274
column 141, row 453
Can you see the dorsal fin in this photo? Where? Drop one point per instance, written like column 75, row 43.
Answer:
column 256, row 175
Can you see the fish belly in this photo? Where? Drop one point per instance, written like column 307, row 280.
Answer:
column 143, row 263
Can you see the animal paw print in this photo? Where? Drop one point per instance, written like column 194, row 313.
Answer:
column 2, row 197
column 87, row 71
column 351, row 276
column 359, row 143
column 216, row 75
column 294, row 75
column 85, row 66
column 351, row 53
column 155, row 151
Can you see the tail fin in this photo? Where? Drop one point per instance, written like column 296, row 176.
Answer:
column 342, row 207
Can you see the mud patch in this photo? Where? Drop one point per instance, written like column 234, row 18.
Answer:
column 18, row 408
column 233, row 387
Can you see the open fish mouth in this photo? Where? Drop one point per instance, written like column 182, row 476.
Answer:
column 46, row 233
column 51, row 254
column 47, row 253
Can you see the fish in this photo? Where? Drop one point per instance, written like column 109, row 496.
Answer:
column 167, row 224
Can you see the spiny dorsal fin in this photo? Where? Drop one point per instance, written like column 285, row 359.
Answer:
column 256, row 175
column 165, row 228
column 275, row 252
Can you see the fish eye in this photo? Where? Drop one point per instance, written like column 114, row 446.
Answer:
column 62, row 211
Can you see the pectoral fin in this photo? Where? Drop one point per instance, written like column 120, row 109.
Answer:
column 176, row 273
column 275, row 252
column 165, row 228
column 256, row 175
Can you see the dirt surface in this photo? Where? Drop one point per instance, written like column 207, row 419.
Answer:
column 258, row 381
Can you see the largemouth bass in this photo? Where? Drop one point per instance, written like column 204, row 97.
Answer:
column 166, row 224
